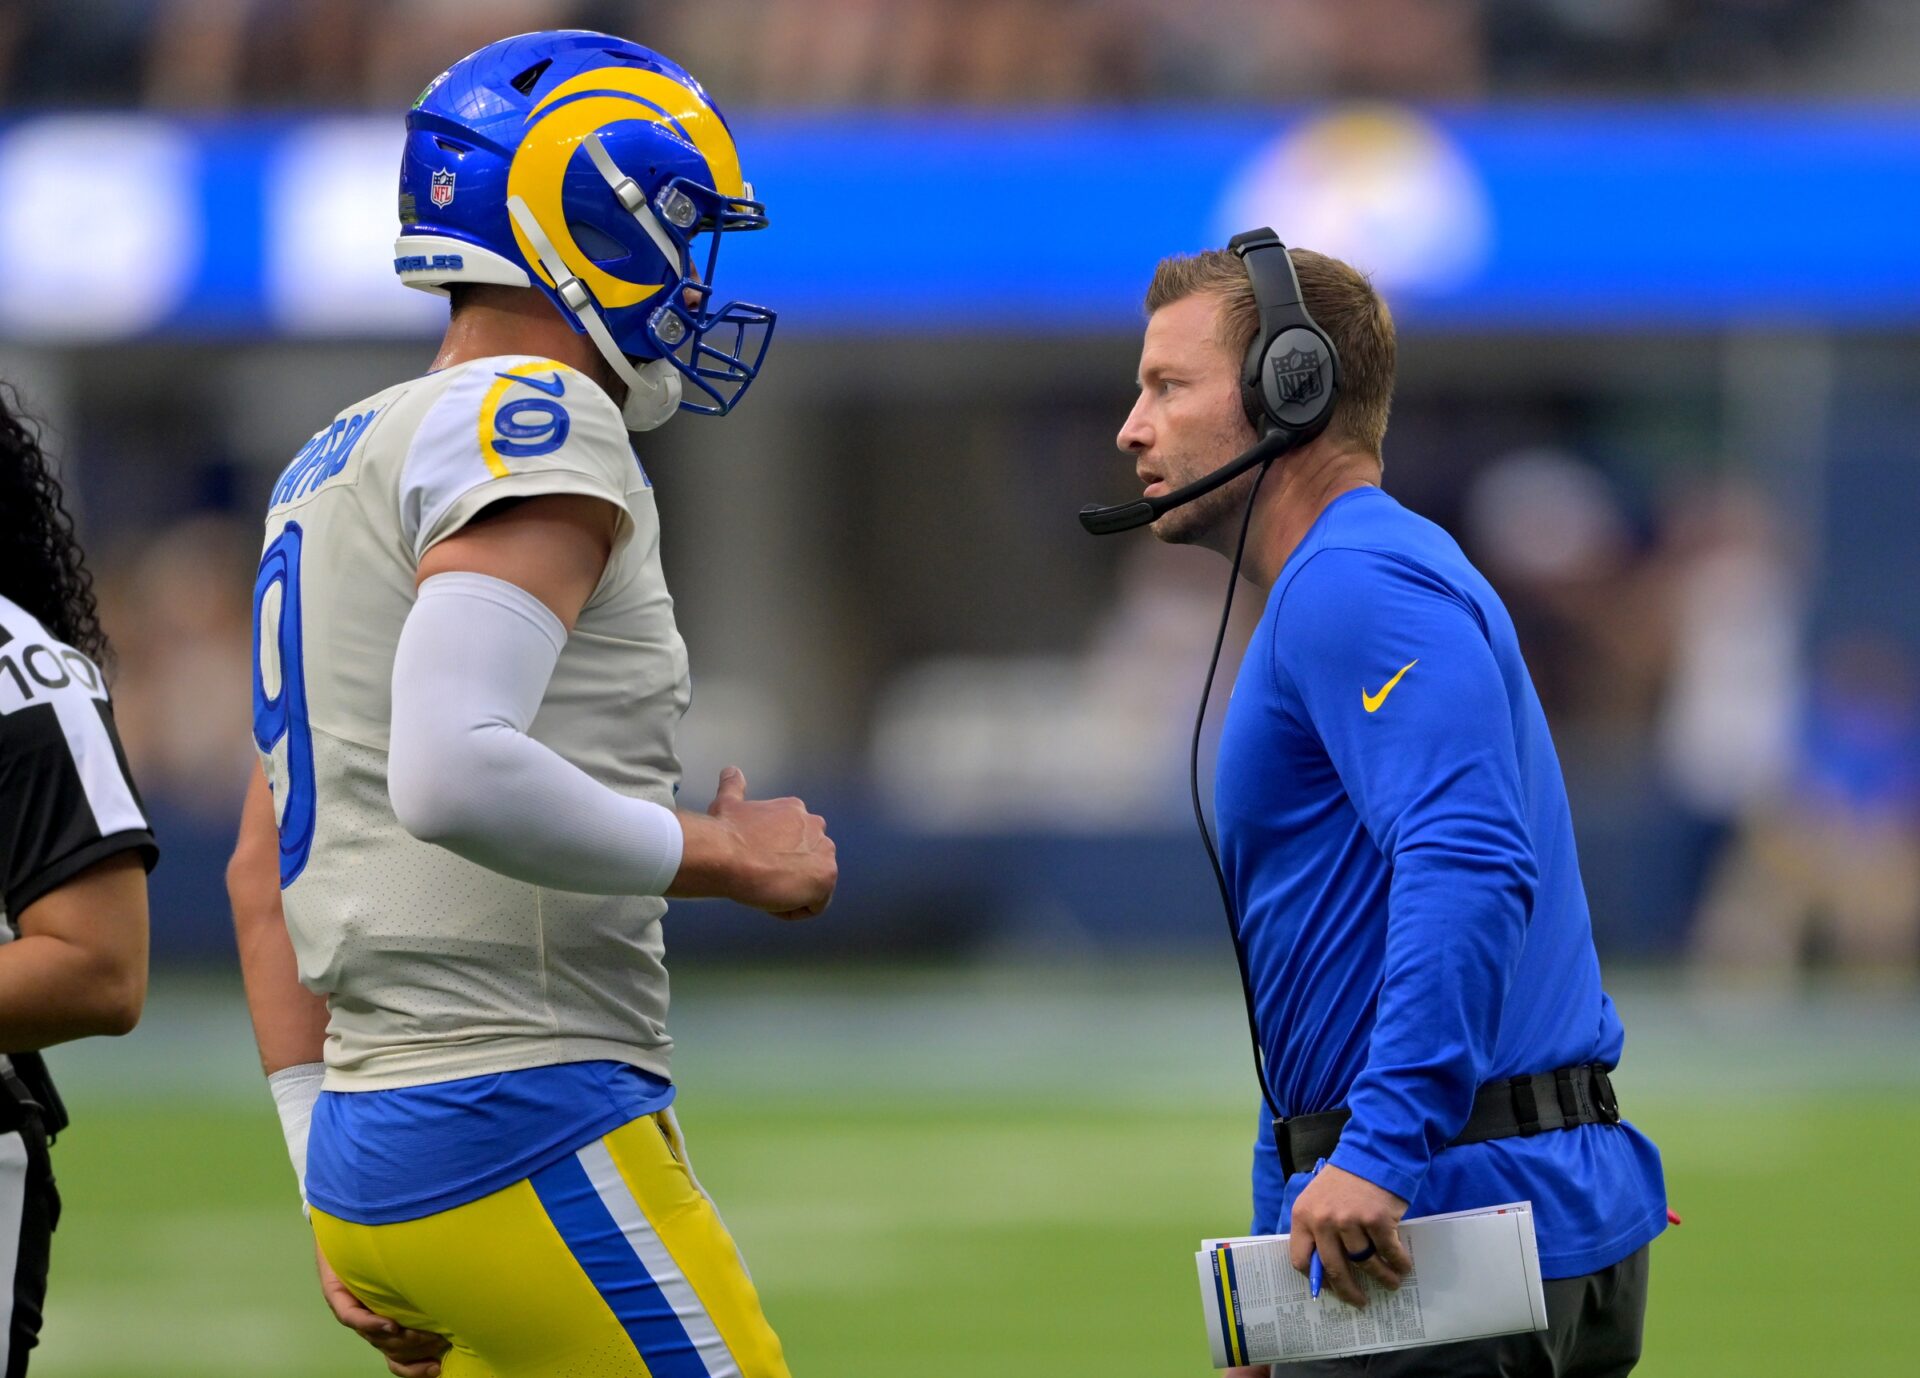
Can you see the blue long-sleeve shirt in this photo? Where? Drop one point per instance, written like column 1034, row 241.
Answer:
column 1396, row 836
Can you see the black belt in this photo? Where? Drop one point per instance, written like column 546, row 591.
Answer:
column 1518, row 1107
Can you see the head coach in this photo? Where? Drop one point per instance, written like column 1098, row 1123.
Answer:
column 1395, row 841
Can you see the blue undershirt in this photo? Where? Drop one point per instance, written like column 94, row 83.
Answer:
column 376, row 1157
column 1401, row 858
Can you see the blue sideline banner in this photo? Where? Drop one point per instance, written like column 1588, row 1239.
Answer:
column 124, row 226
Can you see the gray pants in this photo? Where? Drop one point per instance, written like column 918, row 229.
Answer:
column 1593, row 1331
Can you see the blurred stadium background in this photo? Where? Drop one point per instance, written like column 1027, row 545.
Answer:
column 1657, row 274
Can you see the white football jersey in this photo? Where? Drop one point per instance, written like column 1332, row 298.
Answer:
column 434, row 967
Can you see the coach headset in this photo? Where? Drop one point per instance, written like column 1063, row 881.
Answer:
column 1289, row 382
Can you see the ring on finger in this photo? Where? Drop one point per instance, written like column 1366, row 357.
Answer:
column 1365, row 1253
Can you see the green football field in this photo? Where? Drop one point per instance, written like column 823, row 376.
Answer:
column 1006, row 1172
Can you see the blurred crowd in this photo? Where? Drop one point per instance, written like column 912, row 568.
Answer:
column 214, row 54
column 1784, row 750
column 176, row 607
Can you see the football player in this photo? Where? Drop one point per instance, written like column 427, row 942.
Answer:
column 453, row 864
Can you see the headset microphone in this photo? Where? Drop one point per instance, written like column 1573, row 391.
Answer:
column 1104, row 521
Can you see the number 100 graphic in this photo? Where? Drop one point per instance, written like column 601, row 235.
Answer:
column 280, row 712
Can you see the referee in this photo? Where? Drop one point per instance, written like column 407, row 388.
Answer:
column 1396, row 841
column 75, row 850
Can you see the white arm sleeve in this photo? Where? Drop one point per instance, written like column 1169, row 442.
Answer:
column 473, row 663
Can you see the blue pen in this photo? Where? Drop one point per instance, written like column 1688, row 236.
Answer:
column 1316, row 1270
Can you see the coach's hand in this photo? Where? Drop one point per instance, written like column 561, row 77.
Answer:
column 409, row 1353
column 1342, row 1215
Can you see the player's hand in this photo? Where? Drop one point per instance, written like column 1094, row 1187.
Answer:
column 1341, row 1215
column 409, row 1353
column 786, row 862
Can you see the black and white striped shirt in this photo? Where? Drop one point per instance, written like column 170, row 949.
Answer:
column 67, row 799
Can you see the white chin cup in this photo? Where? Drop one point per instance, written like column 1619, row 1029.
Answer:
column 653, row 395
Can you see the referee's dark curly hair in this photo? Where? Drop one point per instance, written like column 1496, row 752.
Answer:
column 75, row 848
column 40, row 563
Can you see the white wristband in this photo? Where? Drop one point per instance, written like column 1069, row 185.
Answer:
column 295, row 1092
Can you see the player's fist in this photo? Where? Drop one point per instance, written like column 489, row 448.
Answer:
column 768, row 853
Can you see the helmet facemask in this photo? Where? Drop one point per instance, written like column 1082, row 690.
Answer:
column 678, row 323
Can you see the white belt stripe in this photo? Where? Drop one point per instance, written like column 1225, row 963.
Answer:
column 653, row 1255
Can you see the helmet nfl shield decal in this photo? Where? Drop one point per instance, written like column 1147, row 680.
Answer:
column 600, row 172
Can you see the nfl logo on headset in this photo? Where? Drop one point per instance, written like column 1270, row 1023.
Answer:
column 1296, row 373
column 442, row 194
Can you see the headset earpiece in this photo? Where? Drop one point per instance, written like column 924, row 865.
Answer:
column 1298, row 373
column 1290, row 379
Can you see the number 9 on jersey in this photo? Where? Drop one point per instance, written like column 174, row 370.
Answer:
column 280, row 728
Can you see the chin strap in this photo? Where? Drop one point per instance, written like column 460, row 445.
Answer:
column 653, row 389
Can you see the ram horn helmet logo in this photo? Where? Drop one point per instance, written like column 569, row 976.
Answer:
column 587, row 104
column 1296, row 374
column 442, row 193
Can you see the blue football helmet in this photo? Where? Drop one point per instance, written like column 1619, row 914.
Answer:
column 589, row 167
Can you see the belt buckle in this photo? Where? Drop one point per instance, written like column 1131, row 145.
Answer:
column 1603, row 1097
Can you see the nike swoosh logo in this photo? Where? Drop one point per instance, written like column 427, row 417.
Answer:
column 1372, row 702
column 552, row 386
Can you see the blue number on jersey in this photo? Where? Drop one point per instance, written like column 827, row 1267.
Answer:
column 284, row 715
column 521, row 439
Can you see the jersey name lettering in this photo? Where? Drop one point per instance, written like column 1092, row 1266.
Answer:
column 321, row 458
